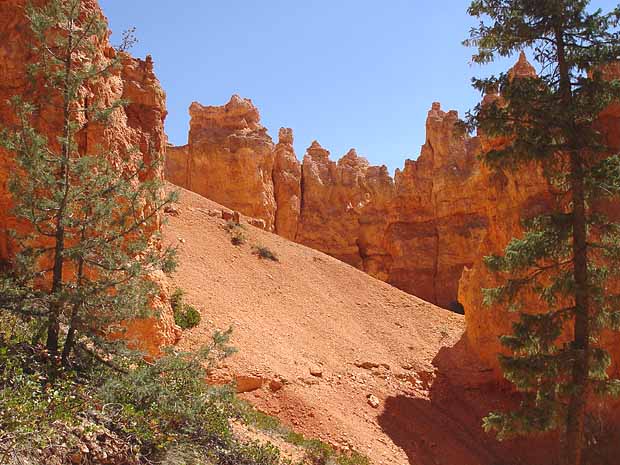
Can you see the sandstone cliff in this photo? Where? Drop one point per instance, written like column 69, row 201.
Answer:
column 509, row 199
column 416, row 231
column 136, row 130
column 425, row 231
column 229, row 159
column 287, row 186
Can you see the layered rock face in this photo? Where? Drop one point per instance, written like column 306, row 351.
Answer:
column 426, row 231
column 136, row 130
column 287, row 186
column 229, row 158
column 416, row 231
column 511, row 198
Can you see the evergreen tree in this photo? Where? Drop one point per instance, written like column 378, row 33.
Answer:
column 90, row 211
column 567, row 257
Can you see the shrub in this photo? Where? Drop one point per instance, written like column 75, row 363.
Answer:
column 237, row 233
column 188, row 317
column 237, row 239
column 264, row 252
column 185, row 315
column 157, row 411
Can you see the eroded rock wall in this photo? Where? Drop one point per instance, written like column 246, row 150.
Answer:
column 286, row 178
column 511, row 198
column 136, row 131
column 417, row 231
column 229, row 158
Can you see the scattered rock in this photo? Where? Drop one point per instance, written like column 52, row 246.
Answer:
column 309, row 381
column 258, row 223
column 373, row 401
column 227, row 215
column 248, row 383
column 276, row 384
column 316, row 371
column 367, row 365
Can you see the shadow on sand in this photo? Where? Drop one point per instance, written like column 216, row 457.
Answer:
column 445, row 427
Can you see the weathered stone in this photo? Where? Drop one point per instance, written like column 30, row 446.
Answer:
column 275, row 385
column 227, row 215
column 373, row 401
column 229, row 158
column 287, row 186
column 248, row 383
column 258, row 223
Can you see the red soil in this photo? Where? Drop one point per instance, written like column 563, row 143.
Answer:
column 312, row 313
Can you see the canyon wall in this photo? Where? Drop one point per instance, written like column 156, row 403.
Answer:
column 512, row 198
column 416, row 231
column 424, row 231
column 136, row 132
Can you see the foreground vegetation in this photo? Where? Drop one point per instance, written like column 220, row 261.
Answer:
column 70, row 391
column 131, row 411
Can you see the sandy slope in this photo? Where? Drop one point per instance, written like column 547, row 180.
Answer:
column 310, row 312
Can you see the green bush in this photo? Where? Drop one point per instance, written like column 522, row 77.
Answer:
column 162, row 411
column 167, row 401
column 264, row 252
column 186, row 316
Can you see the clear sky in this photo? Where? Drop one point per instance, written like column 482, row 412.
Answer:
column 348, row 73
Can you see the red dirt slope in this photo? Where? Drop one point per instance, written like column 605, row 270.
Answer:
column 333, row 336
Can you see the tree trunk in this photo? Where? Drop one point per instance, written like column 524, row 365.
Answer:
column 575, row 418
column 53, row 327
column 581, row 343
column 75, row 312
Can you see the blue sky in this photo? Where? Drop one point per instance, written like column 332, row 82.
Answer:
column 348, row 73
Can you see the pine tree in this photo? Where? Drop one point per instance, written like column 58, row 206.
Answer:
column 83, row 268
column 567, row 257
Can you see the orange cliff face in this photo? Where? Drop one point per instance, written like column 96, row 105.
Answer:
column 287, row 186
column 229, row 159
column 426, row 231
column 510, row 199
column 416, row 231
column 137, row 126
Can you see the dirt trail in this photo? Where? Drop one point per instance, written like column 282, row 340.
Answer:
column 333, row 336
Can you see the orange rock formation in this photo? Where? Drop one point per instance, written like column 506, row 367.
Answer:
column 137, row 126
column 426, row 231
column 229, row 158
column 510, row 200
column 416, row 231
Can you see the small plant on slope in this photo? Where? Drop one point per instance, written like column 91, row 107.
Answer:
column 185, row 315
column 237, row 233
column 265, row 253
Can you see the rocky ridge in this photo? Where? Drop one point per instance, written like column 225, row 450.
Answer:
column 416, row 231
column 425, row 231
